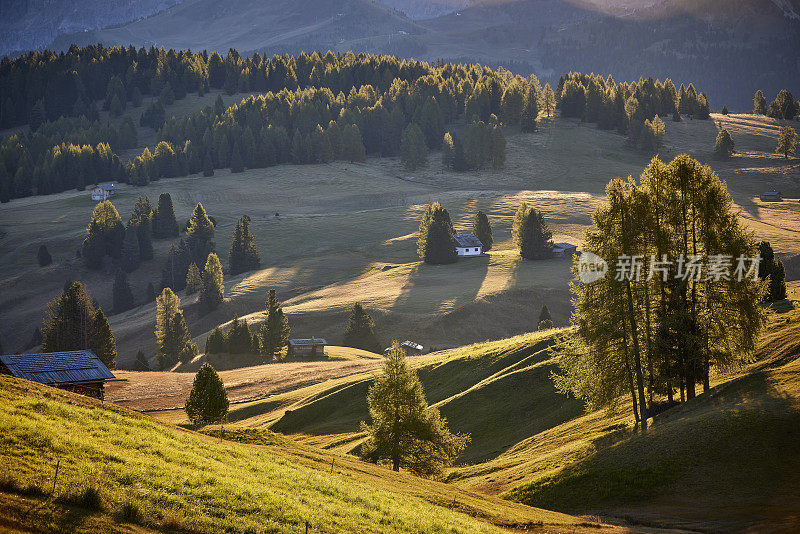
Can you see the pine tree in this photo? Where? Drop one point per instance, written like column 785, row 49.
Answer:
column 787, row 141
column 199, row 233
column 360, row 331
column 405, row 430
column 777, row 282
column 216, row 342
column 150, row 292
column 243, row 254
column 130, row 250
column 531, row 234
column 483, row 230
column 545, row 320
column 212, row 293
column 498, row 148
column 275, row 330
column 104, row 236
column 123, row 296
column 237, row 162
column 759, row 103
column 72, row 323
column 43, row 256
column 530, row 111
column 176, row 266
column 724, row 110
column 549, row 100
column 723, row 147
column 194, row 280
column 164, row 223
column 460, row 163
column 115, row 108
column 141, row 362
column 172, row 335
column 142, row 219
column 208, row 400
column 413, row 150
column 435, row 244
column 448, row 151
column 208, row 166
column 352, row 144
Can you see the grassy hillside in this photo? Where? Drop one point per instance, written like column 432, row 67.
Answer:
column 119, row 470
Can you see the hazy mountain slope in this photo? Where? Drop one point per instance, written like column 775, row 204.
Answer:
column 28, row 24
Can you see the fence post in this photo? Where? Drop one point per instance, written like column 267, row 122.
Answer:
column 55, row 478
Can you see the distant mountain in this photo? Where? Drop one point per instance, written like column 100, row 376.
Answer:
column 728, row 48
column 29, row 24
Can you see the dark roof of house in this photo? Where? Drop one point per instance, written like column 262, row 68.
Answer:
column 467, row 240
column 563, row 246
column 307, row 342
column 108, row 187
column 72, row 367
column 411, row 345
column 771, row 193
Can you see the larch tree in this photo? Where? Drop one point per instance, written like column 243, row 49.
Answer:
column 549, row 100
column 360, row 331
column 73, row 322
column 199, row 234
column 435, row 244
column 173, row 341
column 164, row 223
column 208, row 400
column 212, row 293
column 531, row 233
column 243, row 254
column 724, row 146
column 448, row 150
column 194, row 280
column 104, row 235
column 274, row 332
column 413, row 150
column 483, row 230
column 122, row 295
column 759, row 103
column 405, row 431
column 787, row 141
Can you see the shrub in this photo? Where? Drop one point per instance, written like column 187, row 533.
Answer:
column 129, row 513
column 87, row 498
column 43, row 255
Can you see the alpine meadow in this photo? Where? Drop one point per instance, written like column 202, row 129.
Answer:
column 400, row 266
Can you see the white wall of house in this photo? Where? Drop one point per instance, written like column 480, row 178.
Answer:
column 469, row 251
column 98, row 193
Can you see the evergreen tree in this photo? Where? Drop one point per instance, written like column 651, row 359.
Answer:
column 275, row 330
column 787, row 141
column 530, row 111
column 413, row 150
column 777, row 282
column 150, row 292
column 194, row 280
column 784, row 106
column 498, row 148
column 141, row 362
column 115, row 109
column 43, row 256
column 123, row 296
column 545, row 320
column 142, row 219
column 237, row 162
column 104, row 235
column 724, row 110
column 164, row 223
column 483, row 230
column 759, row 103
column 352, row 144
column 723, row 147
column 448, row 151
column 130, row 250
column 176, row 266
column 208, row 400
column 199, row 232
column 772, row 270
column 549, row 101
column 172, row 335
column 360, row 331
column 435, row 244
column 73, row 322
column 244, row 254
column 208, row 166
column 212, row 293
column 215, row 342
column 460, row 163
column 531, row 234
column 405, row 430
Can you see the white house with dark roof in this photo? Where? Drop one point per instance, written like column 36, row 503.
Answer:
column 468, row 245
column 102, row 192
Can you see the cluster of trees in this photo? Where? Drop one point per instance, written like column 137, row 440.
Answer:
column 771, row 269
column 108, row 242
column 435, row 244
column 664, row 320
column 360, row 331
column 531, row 234
column 484, row 144
column 783, row 107
column 629, row 108
column 69, row 153
column 73, row 321
column 237, row 339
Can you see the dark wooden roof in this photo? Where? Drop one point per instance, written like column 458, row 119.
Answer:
column 307, row 342
column 107, row 187
column 467, row 240
column 72, row 367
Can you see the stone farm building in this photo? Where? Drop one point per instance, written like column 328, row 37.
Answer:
column 104, row 191
column 79, row 371
column 468, row 245
column 307, row 347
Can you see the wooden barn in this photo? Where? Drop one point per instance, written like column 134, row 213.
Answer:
column 561, row 250
column 771, row 196
column 313, row 347
column 79, row 371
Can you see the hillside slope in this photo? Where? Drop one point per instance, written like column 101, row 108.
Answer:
column 117, row 467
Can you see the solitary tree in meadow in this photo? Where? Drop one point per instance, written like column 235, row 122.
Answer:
column 199, row 234
column 275, row 330
column 531, row 233
column 787, row 141
column 208, row 400
column 164, row 223
column 405, row 430
column 172, row 335
column 43, row 256
column 723, row 147
column 212, row 292
column 360, row 330
column 759, row 103
column 244, row 254
column 483, row 230
column 435, row 244
column 545, row 320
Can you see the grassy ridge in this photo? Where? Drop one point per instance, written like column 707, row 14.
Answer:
column 159, row 476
